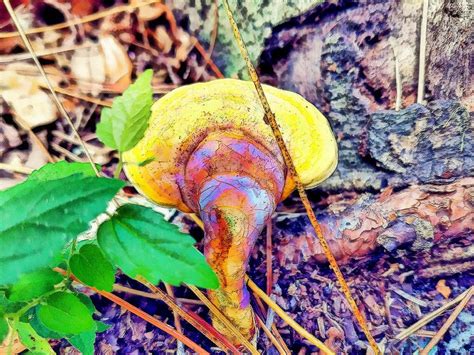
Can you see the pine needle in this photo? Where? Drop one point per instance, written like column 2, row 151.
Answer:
column 271, row 121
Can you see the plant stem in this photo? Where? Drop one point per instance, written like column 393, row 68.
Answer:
column 118, row 168
column 272, row 122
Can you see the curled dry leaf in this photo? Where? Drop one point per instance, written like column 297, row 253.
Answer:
column 107, row 62
column 29, row 103
column 442, row 288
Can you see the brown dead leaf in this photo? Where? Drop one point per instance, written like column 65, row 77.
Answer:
column 442, row 288
column 23, row 94
column 106, row 63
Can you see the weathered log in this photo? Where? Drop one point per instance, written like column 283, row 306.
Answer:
column 340, row 56
column 418, row 216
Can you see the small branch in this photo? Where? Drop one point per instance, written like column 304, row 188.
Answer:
column 421, row 64
column 448, row 323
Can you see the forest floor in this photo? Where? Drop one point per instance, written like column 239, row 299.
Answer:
column 93, row 61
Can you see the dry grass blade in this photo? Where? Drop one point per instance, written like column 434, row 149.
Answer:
column 299, row 329
column 268, row 257
column 421, row 65
column 191, row 317
column 50, row 86
column 81, row 97
column 429, row 317
column 448, row 323
column 270, row 119
column 24, row 56
column 223, row 319
column 177, row 320
column 15, row 169
column 276, row 333
column 89, row 18
column 143, row 315
column 270, row 336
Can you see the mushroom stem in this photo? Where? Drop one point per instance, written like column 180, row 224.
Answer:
column 234, row 211
column 234, row 184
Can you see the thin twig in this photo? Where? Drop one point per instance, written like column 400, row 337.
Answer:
column 271, row 120
column 15, row 168
column 299, row 329
column 268, row 258
column 208, row 59
column 410, row 298
column 45, row 52
column 34, row 137
column 177, row 320
column 212, row 43
column 276, row 333
column 421, row 64
column 429, row 317
column 143, row 315
column 448, row 323
column 398, row 79
column 192, row 318
column 50, row 86
column 214, row 310
column 270, row 336
column 80, row 96
column 85, row 19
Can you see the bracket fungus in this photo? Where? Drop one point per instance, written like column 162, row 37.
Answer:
column 212, row 154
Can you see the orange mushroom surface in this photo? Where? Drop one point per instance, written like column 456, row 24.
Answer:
column 212, row 154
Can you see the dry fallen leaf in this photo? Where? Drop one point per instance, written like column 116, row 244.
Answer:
column 107, row 62
column 29, row 103
column 442, row 288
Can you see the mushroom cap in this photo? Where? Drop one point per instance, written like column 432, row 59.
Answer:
column 185, row 116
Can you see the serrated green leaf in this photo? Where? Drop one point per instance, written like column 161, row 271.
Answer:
column 123, row 125
column 91, row 267
column 3, row 329
column 62, row 169
column 64, row 313
column 32, row 340
column 86, row 300
column 38, row 326
column 33, row 285
column 84, row 342
column 140, row 242
column 101, row 326
column 40, row 217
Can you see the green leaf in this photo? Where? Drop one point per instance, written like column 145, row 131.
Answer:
column 84, row 342
column 61, row 169
column 33, row 285
column 91, row 267
column 140, row 242
column 86, row 300
column 3, row 329
column 64, row 313
column 101, row 326
column 40, row 217
column 38, row 326
column 32, row 340
column 123, row 125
